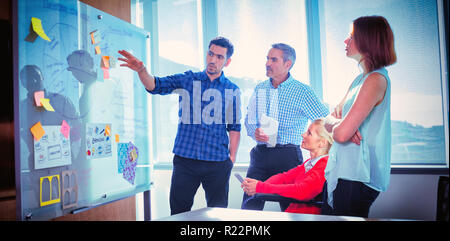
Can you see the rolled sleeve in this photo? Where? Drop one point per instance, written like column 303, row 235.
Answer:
column 166, row 85
column 234, row 107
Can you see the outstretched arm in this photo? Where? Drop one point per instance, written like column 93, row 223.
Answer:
column 135, row 64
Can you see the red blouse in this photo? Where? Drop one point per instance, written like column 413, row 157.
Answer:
column 298, row 184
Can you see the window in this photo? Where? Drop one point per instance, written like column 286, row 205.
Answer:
column 419, row 104
column 253, row 26
column 417, row 111
column 179, row 51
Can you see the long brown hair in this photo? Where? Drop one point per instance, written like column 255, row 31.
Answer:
column 374, row 39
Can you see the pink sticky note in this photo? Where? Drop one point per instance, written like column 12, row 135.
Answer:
column 65, row 129
column 105, row 73
column 38, row 95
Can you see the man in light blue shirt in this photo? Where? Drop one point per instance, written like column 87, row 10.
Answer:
column 292, row 104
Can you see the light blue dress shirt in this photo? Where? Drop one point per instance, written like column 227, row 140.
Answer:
column 369, row 162
column 292, row 104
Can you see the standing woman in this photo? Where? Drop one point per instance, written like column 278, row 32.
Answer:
column 358, row 168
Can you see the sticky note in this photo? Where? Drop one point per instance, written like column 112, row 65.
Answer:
column 38, row 95
column 46, row 103
column 107, row 130
column 37, row 131
column 117, row 138
column 105, row 73
column 97, row 50
column 95, row 36
column 65, row 129
column 37, row 28
column 105, row 62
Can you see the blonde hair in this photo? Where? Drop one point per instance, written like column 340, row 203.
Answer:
column 322, row 132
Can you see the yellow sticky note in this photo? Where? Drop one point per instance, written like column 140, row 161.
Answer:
column 97, row 50
column 37, row 131
column 46, row 103
column 37, row 28
column 105, row 62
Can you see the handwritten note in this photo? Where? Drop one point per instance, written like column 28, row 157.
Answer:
column 53, row 149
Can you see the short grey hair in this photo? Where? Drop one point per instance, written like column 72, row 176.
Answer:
column 288, row 52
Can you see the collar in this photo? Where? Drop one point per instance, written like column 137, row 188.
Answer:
column 288, row 81
column 221, row 78
column 311, row 162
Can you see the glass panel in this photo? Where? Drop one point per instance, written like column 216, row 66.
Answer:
column 57, row 55
column 179, row 51
column 253, row 26
column 418, row 135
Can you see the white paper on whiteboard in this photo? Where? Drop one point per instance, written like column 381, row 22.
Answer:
column 270, row 127
column 53, row 149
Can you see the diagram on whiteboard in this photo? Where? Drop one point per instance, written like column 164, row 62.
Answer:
column 52, row 149
column 98, row 140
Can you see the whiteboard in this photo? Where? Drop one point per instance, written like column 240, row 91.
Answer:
column 93, row 148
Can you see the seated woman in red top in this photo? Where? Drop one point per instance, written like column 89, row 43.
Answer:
column 305, row 181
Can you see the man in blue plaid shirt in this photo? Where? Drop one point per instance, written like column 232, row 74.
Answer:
column 287, row 101
column 209, row 128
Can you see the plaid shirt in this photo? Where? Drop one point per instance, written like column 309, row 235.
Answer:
column 202, row 132
column 292, row 104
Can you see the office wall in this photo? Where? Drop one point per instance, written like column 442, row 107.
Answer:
column 408, row 197
column 7, row 188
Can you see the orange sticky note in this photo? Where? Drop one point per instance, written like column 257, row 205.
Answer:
column 107, row 130
column 95, row 38
column 105, row 62
column 38, row 95
column 117, row 138
column 37, row 131
column 65, row 129
column 97, row 50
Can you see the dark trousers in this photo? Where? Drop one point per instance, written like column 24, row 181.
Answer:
column 187, row 176
column 266, row 162
column 350, row 198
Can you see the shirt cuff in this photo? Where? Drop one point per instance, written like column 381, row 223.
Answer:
column 157, row 88
column 234, row 127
